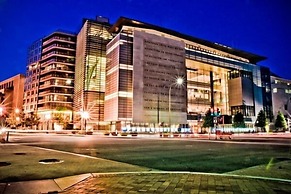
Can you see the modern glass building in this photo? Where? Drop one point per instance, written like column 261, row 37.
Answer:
column 90, row 73
column 144, row 62
column 32, row 77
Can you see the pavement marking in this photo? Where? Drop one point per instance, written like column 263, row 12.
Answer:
column 75, row 154
column 86, row 156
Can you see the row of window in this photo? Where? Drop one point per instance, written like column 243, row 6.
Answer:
column 6, row 85
column 163, row 52
column 287, row 91
column 155, row 44
column 224, row 62
column 198, row 48
column 241, row 73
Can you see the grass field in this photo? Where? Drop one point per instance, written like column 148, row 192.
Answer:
column 173, row 155
column 25, row 165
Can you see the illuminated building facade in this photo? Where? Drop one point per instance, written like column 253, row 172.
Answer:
column 281, row 93
column 90, row 72
column 49, row 85
column 11, row 95
column 144, row 60
column 11, row 100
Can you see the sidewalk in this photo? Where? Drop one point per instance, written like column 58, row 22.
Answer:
column 150, row 182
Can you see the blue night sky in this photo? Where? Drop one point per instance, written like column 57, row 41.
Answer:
column 261, row 27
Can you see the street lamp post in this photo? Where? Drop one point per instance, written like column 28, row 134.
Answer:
column 1, row 111
column 179, row 82
column 2, row 119
column 17, row 118
column 85, row 115
column 47, row 118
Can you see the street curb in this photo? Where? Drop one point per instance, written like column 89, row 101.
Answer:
column 195, row 173
column 69, row 181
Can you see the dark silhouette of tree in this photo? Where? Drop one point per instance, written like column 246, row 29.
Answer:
column 208, row 120
column 280, row 122
column 261, row 121
column 238, row 120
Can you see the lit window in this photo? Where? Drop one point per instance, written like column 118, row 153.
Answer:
column 275, row 90
column 68, row 82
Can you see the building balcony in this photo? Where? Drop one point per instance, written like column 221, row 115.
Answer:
column 58, row 39
column 58, row 69
column 56, row 76
column 54, row 105
column 58, row 47
column 56, row 54
column 59, row 91
column 62, row 61
column 45, row 86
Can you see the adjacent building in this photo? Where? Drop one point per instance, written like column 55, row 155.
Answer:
column 281, row 96
column 11, row 96
column 49, row 85
column 32, row 77
column 90, row 73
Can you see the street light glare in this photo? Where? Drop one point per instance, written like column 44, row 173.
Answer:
column 85, row 115
column 179, row 81
column 17, row 110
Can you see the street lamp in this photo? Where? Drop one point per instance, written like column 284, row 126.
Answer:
column 179, row 82
column 17, row 110
column 47, row 118
column 17, row 118
column 85, row 115
column 2, row 119
column 1, row 111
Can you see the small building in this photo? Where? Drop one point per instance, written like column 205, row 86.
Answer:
column 11, row 94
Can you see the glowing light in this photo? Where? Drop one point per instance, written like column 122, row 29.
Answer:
column 48, row 116
column 17, row 110
column 179, row 81
column 68, row 82
column 85, row 115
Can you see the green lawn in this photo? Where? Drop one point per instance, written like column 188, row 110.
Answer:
column 24, row 164
column 175, row 155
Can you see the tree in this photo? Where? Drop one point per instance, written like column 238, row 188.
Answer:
column 31, row 120
column 14, row 119
column 61, row 118
column 208, row 120
column 280, row 121
column 238, row 120
column 261, row 121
